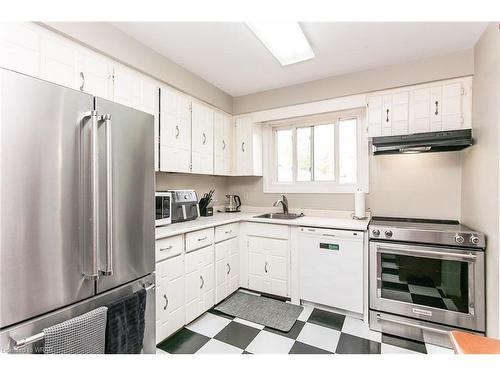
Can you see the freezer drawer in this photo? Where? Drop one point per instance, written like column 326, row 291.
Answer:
column 41, row 153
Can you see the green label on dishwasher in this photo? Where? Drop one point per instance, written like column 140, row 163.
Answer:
column 329, row 246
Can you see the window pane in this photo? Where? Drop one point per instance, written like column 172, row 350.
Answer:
column 304, row 167
column 347, row 151
column 324, row 160
column 284, row 155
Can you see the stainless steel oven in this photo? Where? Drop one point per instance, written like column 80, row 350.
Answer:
column 421, row 289
column 163, row 204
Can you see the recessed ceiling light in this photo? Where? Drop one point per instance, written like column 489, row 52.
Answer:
column 285, row 40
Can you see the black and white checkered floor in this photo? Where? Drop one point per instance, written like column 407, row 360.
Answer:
column 315, row 332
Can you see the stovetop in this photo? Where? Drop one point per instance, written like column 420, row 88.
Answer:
column 427, row 231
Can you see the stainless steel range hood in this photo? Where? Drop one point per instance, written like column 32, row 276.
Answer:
column 453, row 140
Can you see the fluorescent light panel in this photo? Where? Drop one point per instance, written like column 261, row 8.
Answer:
column 285, row 40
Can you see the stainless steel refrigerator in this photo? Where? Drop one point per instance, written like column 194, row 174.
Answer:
column 76, row 207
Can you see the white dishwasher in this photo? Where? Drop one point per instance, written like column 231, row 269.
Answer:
column 331, row 267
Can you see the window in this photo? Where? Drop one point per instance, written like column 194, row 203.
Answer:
column 316, row 154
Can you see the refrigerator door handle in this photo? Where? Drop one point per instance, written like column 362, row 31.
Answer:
column 108, row 268
column 91, row 268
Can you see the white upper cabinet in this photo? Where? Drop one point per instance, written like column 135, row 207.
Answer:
column 248, row 147
column 94, row 74
column 20, row 48
column 126, row 86
column 223, row 144
column 437, row 106
column 59, row 58
column 202, row 139
column 175, row 131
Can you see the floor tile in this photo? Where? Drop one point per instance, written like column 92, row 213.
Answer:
column 306, row 313
column 404, row 343
column 321, row 337
column 301, row 348
column 184, row 342
column 269, row 343
column 358, row 327
column 292, row 334
column 391, row 349
column 237, row 334
column 326, row 319
column 208, row 324
column 349, row 344
column 435, row 349
column 248, row 323
column 218, row 347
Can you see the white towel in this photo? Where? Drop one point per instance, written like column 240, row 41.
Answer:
column 84, row 334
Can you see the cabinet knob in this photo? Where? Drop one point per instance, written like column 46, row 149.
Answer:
column 177, row 131
column 265, row 267
column 228, row 268
column 166, row 302
column 243, row 146
column 202, row 282
column 387, row 115
column 437, row 110
column 82, row 77
column 204, row 138
column 223, row 144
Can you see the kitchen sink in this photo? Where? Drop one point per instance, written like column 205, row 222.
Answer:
column 278, row 215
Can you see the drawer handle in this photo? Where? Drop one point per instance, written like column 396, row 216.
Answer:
column 166, row 302
column 228, row 231
column 166, row 248
column 228, row 268
column 202, row 282
column 202, row 239
column 265, row 267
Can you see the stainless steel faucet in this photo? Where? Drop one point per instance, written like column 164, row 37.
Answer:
column 284, row 203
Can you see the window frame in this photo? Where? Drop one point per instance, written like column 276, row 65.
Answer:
column 270, row 183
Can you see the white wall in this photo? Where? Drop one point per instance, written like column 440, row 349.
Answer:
column 452, row 65
column 419, row 185
column 480, row 178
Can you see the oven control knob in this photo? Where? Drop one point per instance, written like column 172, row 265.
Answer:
column 388, row 233
column 376, row 232
column 459, row 239
column 474, row 239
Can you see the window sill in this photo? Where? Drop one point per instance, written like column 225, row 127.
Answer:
column 321, row 188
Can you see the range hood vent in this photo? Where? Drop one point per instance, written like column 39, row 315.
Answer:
column 453, row 140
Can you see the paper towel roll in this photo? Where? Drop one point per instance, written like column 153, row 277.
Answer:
column 359, row 204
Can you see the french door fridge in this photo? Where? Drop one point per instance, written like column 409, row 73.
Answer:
column 76, row 197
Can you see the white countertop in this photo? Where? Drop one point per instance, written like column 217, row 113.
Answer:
column 312, row 218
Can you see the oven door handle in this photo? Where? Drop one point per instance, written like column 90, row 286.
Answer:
column 406, row 251
column 414, row 325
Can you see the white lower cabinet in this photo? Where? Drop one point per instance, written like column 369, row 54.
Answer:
column 170, row 297
column 227, row 275
column 200, row 283
column 268, row 259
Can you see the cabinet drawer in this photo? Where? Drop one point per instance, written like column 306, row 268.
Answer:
column 225, row 232
column 268, row 230
column 168, row 247
column 198, row 239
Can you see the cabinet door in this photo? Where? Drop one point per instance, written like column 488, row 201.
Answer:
column 94, row 74
column 243, row 144
column 233, row 265
column 208, row 278
column 451, row 112
column 257, row 264
column 202, row 142
column 277, row 266
column 435, row 108
column 59, row 60
column 421, row 110
column 170, row 297
column 400, row 106
column 223, row 135
column 175, row 131
column 221, row 285
column 20, row 46
column 126, row 87
column 375, row 116
column 387, row 115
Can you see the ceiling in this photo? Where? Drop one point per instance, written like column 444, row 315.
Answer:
column 228, row 55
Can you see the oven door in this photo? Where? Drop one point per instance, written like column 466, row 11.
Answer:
column 435, row 284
